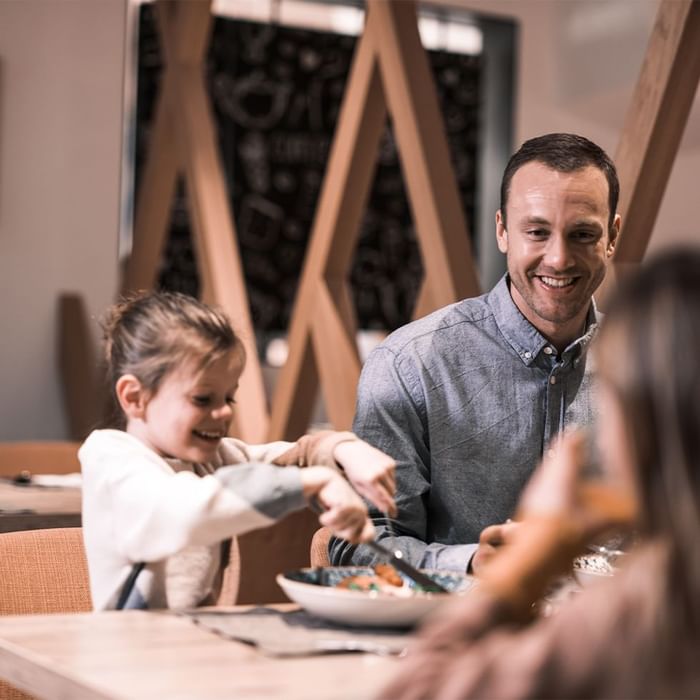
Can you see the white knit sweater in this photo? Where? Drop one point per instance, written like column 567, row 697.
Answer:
column 139, row 507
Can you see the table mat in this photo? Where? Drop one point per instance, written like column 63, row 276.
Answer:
column 297, row 633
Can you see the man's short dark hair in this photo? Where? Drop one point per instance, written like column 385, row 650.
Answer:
column 565, row 153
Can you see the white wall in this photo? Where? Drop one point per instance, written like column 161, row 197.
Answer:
column 579, row 63
column 60, row 146
column 60, row 140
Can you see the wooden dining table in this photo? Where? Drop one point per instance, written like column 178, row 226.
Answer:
column 141, row 654
column 29, row 507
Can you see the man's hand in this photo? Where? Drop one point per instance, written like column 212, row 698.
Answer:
column 370, row 471
column 491, row 538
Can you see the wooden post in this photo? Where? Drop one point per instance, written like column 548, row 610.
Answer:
column 653, row 128
column 184, row 140
column 390, row 69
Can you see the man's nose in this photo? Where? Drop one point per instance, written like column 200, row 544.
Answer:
column 558, row 253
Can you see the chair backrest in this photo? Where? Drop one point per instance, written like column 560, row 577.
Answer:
column 58, row 457
column 319, row 547
column 266, row 552
column 231, row 575
column 42, row 571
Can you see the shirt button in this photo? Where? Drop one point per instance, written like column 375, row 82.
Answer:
column 548, row 350
column 527, row 355
column 552, row 380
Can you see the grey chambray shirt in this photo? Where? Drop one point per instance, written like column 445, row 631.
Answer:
column 465, row 400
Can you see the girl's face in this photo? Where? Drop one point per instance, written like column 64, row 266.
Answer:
column 192, row 409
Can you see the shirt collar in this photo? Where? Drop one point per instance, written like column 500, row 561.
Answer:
column 522, row 336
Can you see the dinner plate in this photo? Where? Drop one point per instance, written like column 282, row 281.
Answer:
column 315, row 590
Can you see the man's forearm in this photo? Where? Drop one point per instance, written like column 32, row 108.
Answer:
column 455, row 557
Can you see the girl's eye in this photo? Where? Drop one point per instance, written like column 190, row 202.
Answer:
column 201, row 400
column 230, row 400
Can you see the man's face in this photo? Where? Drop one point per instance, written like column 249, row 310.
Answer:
column 557, row 244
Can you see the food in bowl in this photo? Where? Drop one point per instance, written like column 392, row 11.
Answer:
column 318, row 590
column 385, row 579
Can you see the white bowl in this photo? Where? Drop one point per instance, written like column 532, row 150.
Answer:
column 315, row 590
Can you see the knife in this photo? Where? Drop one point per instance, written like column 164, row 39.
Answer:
column 396, row 560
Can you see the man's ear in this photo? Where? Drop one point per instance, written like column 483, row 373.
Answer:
column 131, row 395
column 501, row 233
column 613, row 235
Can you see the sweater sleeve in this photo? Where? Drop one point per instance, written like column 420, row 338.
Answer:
column 315, row 449
column 154, row 512
column 312, row 449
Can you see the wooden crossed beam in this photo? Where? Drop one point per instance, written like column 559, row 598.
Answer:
column 390, row 71
column 653, row 128
column 184, row 141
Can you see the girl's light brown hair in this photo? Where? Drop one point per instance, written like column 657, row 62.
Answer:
column 150, row 334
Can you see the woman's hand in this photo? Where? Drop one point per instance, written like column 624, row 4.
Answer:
column 344, row 514
column 558, row 514
column 557, row 490
column 370, row 471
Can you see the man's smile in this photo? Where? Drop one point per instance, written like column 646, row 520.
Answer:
column 556, row 282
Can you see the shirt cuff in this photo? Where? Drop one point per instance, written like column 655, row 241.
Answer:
column 454, row 557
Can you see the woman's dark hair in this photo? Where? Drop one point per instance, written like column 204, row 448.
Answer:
column 648, row 356
column 565, row 153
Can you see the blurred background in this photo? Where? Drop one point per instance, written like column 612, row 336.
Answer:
column 78, row 80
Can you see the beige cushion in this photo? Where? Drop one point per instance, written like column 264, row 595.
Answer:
column 42, row 571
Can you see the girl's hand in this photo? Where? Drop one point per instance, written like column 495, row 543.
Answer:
column 370, row 471
column 344, row 511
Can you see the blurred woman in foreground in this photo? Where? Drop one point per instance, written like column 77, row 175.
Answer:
column 637, row 634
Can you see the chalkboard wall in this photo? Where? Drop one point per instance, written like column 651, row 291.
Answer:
column 276, row 93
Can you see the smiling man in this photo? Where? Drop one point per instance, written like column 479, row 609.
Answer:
column 468, row 398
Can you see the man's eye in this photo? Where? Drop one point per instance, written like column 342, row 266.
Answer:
column 537, row 233
column 585, row 236
column 201, row 400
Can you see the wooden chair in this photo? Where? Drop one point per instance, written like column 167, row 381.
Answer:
column 59, row 457
column 319, row 547
column 42, row 571
column 264, row 553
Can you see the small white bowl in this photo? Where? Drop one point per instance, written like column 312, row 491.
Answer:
column 592, row 568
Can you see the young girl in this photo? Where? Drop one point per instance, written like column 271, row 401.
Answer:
column 170, row 487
